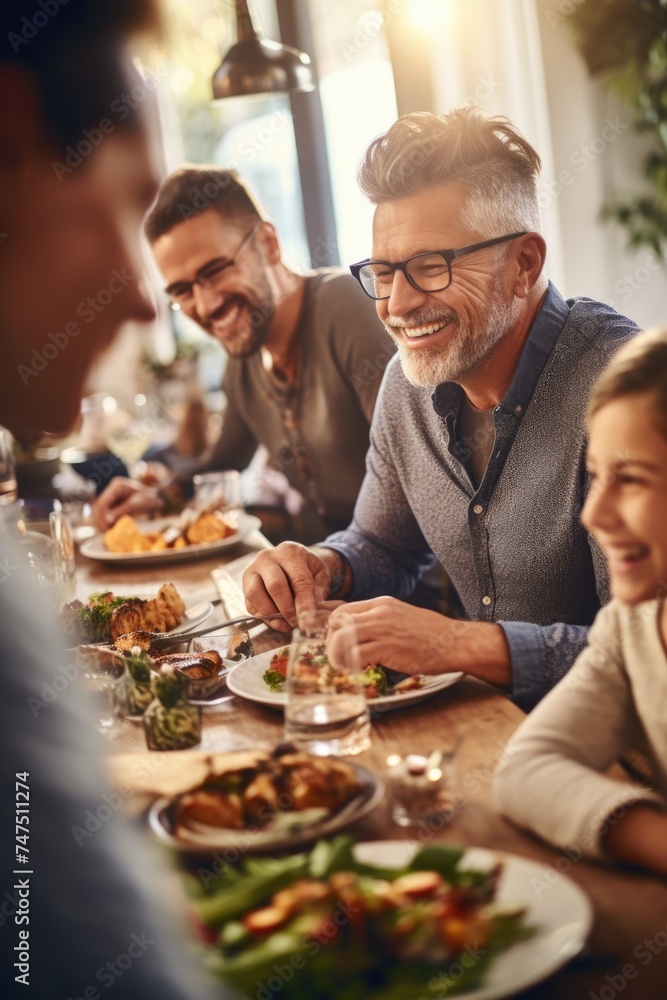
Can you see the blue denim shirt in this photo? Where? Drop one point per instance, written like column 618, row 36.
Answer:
column 513, row 548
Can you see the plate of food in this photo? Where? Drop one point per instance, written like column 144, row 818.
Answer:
column 390, row 920
column 106, row 616
column 262, row 679
column 162, row 540
column 263, row 800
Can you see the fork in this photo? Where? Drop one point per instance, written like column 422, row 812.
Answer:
column 244, row 622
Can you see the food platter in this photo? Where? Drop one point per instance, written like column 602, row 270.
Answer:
column 94, row 548
column 249, row 840
column 245, row 680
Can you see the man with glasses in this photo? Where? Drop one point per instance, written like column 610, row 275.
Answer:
column 477, row 444
column 306, row 352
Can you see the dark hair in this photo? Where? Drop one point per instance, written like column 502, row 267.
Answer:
column 487, row 157
column 191, row 190
column 74, row 50
column 639, row 367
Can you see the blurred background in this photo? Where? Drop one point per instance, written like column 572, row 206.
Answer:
column 585, row 80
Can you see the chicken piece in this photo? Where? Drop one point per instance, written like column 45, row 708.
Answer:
column 261, row 797
column 324, row 784
column 138, row 638
column 210, row 527
column 124, row 535
column 212, row 808
column 159, row 615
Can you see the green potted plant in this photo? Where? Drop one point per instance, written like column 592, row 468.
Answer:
column 625, row 42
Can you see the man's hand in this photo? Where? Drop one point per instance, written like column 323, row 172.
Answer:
column 289, row 579
column 124, row 496
column 417, row 641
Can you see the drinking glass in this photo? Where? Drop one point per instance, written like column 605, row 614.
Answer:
column 102, row 682
column 326, row 712
column 130, row 428
column 218, row 490
column 422, row 789
column 8, row 489
column 47, row 549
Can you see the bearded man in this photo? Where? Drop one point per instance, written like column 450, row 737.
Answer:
column 478, row 440
column 306, row 351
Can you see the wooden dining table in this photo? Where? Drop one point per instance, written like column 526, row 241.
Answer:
column 626, row 954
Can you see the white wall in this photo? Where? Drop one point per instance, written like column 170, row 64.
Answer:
column 517, row 58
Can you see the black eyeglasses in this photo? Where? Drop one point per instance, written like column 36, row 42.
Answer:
column 210, row 276
column 427, row 272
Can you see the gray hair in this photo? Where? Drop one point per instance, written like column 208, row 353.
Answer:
column 487, row 157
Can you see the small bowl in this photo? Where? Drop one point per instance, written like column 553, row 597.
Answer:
column 202, row 680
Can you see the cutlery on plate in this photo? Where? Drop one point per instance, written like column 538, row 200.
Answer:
column 243, row 623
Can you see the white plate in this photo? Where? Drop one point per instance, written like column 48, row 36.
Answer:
column 194, row 616
column 94, row 548
column 563, row 915
column 246, row 681
column 372, row 790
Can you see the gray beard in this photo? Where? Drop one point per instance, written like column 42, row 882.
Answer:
column 429, row 367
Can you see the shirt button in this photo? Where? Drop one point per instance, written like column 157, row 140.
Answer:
column 517, row 409
column 478, row 508
column 486, row 600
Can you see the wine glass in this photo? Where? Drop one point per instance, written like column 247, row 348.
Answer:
column 130, row 428
column 8, row 488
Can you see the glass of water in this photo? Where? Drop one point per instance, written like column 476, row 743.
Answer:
column 326, row 712
column 218, row 490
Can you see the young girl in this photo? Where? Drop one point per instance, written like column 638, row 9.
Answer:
column 614, row 698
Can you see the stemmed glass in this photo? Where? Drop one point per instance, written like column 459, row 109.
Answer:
column 130, row 428
column 8, row 488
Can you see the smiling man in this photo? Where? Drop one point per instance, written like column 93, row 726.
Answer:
column 306, row 352
column 478, row 440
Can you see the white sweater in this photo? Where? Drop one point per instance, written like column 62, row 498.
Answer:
column 613, row 699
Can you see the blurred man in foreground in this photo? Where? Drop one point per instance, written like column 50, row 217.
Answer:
column 306, row 352
column 478, row 441
column 75, row 917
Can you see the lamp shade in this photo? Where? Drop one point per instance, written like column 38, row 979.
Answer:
column 257, row 65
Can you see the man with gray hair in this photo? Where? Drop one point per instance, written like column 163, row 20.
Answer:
column 477, row 443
